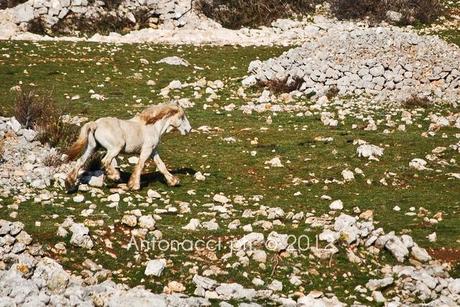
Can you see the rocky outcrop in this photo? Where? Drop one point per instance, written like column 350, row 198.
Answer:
column 29, row 278
column 129, row 13
column 25, row 162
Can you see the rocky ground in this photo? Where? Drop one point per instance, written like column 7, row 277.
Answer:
column 353, row 176
column 308, row 197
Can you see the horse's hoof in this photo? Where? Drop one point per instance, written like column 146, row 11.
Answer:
column 114, row 178
column 174, row 182
column 70, row 186
column 134, row 187
column 70, row 189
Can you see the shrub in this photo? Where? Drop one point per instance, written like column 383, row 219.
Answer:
column 52, row 160
column 103, row 24
column 412, row 11
column 416, row 101
column 332, row 92
column 41, row 113
column 31, row 108
column 4, row 4
column 278, row 86
column 234, row 14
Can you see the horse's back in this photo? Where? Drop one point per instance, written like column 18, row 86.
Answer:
column 114, row 132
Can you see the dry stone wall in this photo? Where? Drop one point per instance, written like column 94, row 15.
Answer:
column 387, row 62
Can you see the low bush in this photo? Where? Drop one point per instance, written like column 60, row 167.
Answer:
column 281, row 86
column 40, row 112
column 235, row 14
column 103, row 24
column 412, row 11
column 4, row 4
column 416, row 101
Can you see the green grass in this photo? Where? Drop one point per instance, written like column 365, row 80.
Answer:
column 70, row 69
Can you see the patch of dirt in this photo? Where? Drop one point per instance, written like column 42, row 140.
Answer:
column 450, row 255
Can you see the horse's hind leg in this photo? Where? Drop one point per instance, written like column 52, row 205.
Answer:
column 73, row 175
column 112, row 171
column 109, row 163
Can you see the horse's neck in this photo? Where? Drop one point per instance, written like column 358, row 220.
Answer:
column 160, row 127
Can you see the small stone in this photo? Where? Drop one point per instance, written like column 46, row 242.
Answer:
column 220, row 199
column 199, row 176
column 348, row 175
column 153, row 194
column 114, row 198
column 336, row 205
column 275, row 285
column 147, row 222
column 378, row 297
column 192, row 225
column 375, row 284
column 129, row 220
column 78, row 198
column 155, row 267
column 432, row 237
column 133, row 160
column 420, row 254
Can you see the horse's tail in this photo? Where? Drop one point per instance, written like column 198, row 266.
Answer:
column 75, row 150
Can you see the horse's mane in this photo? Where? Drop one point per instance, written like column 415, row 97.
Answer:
column 155, row 113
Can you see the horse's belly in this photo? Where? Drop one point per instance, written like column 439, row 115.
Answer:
column 132, row 147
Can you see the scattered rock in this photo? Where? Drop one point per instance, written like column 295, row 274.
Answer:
column 155, row 267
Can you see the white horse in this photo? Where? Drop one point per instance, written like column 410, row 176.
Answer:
column 140, row 134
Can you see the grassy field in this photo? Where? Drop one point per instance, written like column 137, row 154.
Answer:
column 311, row 167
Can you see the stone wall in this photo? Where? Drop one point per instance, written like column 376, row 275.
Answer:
column 390, row 63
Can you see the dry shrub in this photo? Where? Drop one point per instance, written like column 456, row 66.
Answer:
column 103, row 24
column 332, row 92
column 4, row 4
column 279, row 86
column 53, row 160
column 37, row 26
column 413, row 11
column 31, row 108
column 234, row 14
column 40, row 112
column 416, row 101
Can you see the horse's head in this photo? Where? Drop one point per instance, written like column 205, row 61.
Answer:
column 180, row 122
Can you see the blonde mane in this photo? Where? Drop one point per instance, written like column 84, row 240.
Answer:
column 155, row 113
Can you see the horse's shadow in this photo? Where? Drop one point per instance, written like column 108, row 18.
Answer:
column 156, row 176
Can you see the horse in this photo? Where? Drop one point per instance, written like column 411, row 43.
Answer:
column 140, row 134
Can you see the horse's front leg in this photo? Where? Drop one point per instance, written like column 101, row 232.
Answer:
column 134, row 182
column 172, row 180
